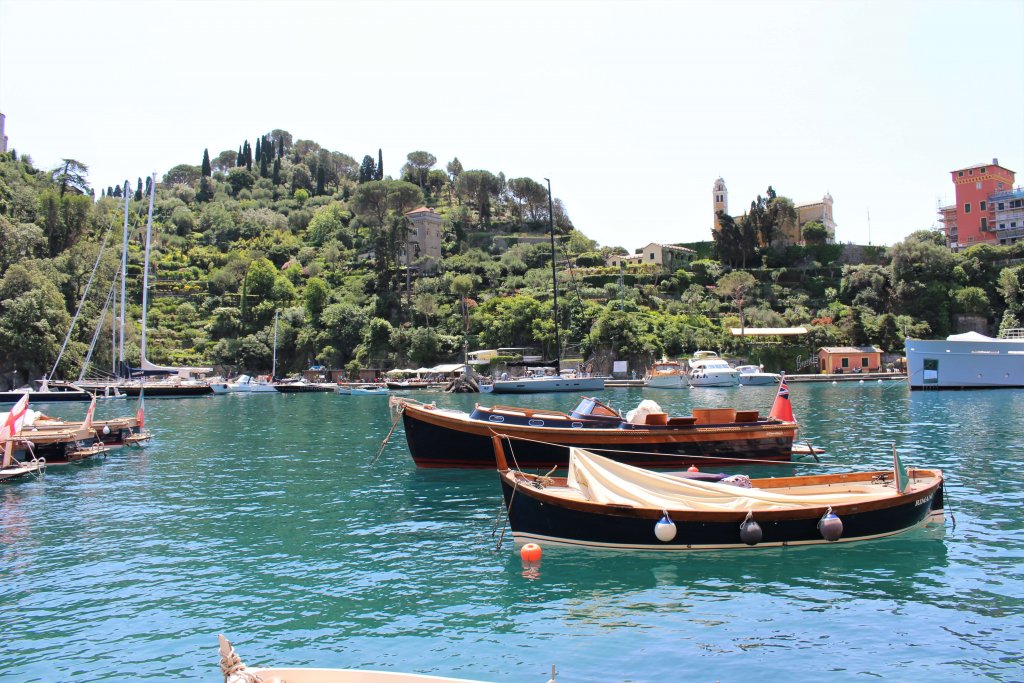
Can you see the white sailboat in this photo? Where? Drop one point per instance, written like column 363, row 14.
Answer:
column 559, row 381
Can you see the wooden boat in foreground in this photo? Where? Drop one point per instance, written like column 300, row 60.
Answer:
column 235, row 671
column 10, row 467
column 607, row 504
column 440, row 437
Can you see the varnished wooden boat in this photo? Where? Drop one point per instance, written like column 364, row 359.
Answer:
column 235, row 671
column 605, row 504
column 440, row 437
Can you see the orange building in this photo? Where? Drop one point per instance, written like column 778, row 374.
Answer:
column 972, row 220
column 839, row 360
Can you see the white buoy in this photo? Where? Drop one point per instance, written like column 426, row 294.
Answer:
column 665, row 529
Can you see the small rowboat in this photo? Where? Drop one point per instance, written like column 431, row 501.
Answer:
column 235, row 671
column 607, row 504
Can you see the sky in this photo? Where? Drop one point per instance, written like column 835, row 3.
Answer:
column 632, row 109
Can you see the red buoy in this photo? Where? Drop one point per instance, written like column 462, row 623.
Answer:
column 530, row 552
column 693, row 468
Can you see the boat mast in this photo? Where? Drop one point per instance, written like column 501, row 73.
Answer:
column 124, row 268
column 145, row 269
column 554, row 281
column 273, row 370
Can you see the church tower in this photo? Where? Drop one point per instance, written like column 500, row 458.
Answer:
column 721, row 201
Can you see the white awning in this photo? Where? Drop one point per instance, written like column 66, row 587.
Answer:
column 767, row 331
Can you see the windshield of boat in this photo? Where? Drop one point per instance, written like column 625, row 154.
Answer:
column 714, row 365
column 591, row 406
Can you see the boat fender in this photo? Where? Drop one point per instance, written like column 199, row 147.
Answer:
column 665, row 529
column 106, row 430
column 830, row 526
column 750, row 531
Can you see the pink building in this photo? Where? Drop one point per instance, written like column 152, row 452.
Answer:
column 972, row 220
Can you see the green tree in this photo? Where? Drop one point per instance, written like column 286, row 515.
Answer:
column 814, row 233
column 419, row 164
column 316, row 297
column 738, row 287
column 206, row 170
column 185, row 174
column 240, row 179
column 33, row 321
column 73, row 174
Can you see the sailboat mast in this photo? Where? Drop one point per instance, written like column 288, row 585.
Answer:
column 273, row 370
column 124, row 267
column 554, row 280
column 145, row 269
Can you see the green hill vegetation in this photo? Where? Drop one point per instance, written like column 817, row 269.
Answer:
column 289, row 226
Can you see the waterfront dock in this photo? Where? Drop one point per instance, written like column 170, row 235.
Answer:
column 849, row 377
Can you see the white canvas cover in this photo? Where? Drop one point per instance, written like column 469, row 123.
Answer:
column 605, row 481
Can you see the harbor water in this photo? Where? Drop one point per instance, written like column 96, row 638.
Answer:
column 269, row 518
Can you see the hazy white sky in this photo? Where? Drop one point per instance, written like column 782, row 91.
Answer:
column 632, row 109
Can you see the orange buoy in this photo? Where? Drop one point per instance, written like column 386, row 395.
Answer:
column 693, row 468
column 530, row 552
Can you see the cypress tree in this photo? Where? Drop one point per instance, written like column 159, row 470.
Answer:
column 138, row 191
column 241, row 158
column 247, row 155
column 259, row 150
column 379, row 175
column 280, row 147
column 263, row 165
column 367, row 170
column 277, row 171
column 149, row 185
column 207, row 171
column 319, row 180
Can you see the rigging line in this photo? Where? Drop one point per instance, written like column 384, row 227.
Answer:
column 81, row 303
column 96, row 333
column 680, row 456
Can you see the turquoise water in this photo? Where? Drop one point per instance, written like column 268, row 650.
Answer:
column 267, row 519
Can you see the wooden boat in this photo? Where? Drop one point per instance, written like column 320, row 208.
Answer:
column 10, row 467
column 235, row 671
column 58, row 446
column 667, row 374
column 440, row 437
column 607, row 504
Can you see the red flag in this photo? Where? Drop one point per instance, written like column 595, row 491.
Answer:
column 782, row 409
column 141, row 414
column 15, row 418
column 88, row 415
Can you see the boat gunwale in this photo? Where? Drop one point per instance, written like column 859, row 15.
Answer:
column 525, row 487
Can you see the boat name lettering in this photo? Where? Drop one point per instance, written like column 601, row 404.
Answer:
column 922, row 501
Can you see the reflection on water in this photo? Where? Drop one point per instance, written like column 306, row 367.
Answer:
column 265, row 517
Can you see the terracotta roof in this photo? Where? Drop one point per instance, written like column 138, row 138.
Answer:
column 422, row 209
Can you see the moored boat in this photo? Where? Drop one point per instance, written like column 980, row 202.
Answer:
column 754, row 375
column 10, row 467
column 547, row 383
column 607, row 504
column 708, row 370
column 48, row 392
column 440, row 437
column 235, row 671
column 966, row 361
column 58, row 446
column 667, row 374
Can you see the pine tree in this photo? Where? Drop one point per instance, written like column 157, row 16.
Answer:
column 379, row 175
column 367, row 170
column 207, row 171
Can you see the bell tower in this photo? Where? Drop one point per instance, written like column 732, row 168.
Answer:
column 720, row 195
